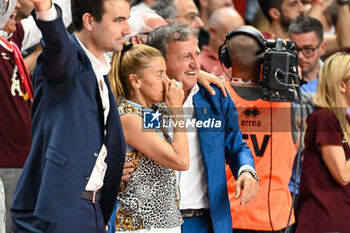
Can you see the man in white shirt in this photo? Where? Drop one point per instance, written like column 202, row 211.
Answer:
column 203, row 196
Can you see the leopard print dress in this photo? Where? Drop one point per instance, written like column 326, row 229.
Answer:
column 149, row 198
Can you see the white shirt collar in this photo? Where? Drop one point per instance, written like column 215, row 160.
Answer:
column 101, row 66
column 189, row 102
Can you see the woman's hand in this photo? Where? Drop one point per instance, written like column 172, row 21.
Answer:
column 174, row 94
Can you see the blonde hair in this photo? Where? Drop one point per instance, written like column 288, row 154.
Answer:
column 131, row 60
column 335, row 70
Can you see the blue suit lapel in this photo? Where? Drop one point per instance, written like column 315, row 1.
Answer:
column 202, row 111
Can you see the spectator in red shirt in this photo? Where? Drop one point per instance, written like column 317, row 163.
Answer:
column 324, row 193
column 15, row 93
column 221, row 22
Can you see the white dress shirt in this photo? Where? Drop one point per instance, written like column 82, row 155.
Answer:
column 101, row 67
column 193, row 185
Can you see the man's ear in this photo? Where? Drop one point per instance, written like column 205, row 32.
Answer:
column 323, row 46
column 211, row 31
column 134, row 40
column 88, row 20
column 274, row 14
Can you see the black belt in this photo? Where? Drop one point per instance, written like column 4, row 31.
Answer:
column 189, row 213
column 93, row 196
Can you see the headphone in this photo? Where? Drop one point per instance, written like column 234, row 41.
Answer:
column 224, row 57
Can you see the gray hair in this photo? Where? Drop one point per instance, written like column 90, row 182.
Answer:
column 160, row 37
column 137, row 21
column 165, row 8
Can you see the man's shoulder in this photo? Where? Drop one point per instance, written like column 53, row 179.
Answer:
column 203, row 97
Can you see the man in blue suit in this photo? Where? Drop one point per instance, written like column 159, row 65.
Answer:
column 217, row 138
column 71, row 178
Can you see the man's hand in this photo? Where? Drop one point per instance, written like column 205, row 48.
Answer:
column 42, row 5
column 249, row 185
column 206, row 79
column 128, row 168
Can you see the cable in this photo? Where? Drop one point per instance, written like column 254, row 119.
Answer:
column 270, row 178
column 296, row 80
column 223, row 70
column 285, row 74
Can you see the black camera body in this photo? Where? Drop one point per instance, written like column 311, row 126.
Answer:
column 279, row 70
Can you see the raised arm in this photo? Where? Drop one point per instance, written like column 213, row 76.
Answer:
column 205, row 79
column 59, row 56
column 340, row 40
column 32, row 34
column 42, row 5
column 318, row 7
column 343, row 23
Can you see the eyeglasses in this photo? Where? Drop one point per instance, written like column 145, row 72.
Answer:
column 143, row 36
column 190, row 16
column 308, row 51
column 144, row 33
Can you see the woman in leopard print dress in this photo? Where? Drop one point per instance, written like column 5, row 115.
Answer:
column 147, row 201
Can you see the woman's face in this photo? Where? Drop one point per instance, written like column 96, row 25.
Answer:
column 151, row 82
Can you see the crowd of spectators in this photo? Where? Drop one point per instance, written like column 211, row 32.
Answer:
column 212, row 42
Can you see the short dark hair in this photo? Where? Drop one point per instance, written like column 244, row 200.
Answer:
column 198, row 5
column 266, row 5
column 305, row 24
column 93, row 7
column 135, row 2
column 80, row 7
column 161, row 36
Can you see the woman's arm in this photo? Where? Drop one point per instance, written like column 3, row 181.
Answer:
column 151, row 144
column 205, row 79
column 335, row 160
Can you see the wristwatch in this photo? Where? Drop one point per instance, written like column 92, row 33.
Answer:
column 255, row 176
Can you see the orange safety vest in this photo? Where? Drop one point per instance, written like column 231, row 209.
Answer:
column 271, row 143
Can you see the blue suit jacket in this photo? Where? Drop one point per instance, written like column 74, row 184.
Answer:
column 67, row 130
column 217, row 146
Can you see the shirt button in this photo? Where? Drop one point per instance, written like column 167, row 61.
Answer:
column 86, row 177
column 95, row 154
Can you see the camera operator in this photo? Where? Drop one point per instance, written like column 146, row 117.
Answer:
column 267, row 128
